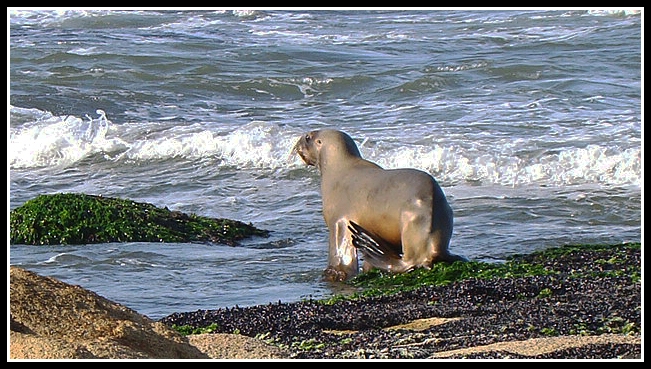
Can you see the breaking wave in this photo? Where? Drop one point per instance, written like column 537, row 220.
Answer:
column 39, row 139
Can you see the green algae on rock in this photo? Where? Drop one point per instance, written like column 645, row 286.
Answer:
column 73, row 218
column 376, row 282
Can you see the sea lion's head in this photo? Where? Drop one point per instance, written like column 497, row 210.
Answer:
column 308, row 148
column 318, row 147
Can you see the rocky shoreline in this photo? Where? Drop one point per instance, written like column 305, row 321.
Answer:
column 586, row 305
column 591, row 293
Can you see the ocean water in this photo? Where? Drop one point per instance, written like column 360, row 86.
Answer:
column 530, row 121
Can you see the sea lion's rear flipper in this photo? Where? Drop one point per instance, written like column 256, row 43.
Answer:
column 376, row 251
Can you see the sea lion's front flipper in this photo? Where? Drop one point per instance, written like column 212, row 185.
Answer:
column 376, row 251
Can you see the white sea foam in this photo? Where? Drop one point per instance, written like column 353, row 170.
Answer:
column 55, row 258
column 64, row 258
column 51, row 141
column 85, row 51
column 592, row 164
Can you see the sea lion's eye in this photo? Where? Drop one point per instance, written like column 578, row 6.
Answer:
column 308, row 138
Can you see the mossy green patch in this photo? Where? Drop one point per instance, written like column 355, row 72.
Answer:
column 72, row 218
column 186, row 330
column 309, row 344
column 444, row 273
column 375, row 282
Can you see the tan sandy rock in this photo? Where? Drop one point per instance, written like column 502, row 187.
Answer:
column 235, row 346
column 50, row 319
column 537, row 346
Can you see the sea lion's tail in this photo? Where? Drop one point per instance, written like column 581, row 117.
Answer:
column 374, row 249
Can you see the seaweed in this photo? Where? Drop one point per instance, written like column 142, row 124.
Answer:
column 75, row 218
column 551, row 261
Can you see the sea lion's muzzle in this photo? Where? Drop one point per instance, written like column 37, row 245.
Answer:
column 305, row 149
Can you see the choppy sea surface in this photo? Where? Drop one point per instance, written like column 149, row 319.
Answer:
column 531, row 120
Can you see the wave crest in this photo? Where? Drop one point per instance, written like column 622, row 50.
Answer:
column 50, row 140
column 453, row 165
column 39, row 139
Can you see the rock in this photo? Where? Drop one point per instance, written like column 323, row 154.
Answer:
column 50, row 319
column 235, row 346
column 53, row 320
column 75, row 218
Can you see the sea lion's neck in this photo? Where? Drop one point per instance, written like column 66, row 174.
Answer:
column 333, row 157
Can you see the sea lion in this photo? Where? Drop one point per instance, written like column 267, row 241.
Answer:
column 399, row 219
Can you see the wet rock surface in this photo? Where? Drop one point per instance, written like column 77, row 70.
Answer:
column 593, row 293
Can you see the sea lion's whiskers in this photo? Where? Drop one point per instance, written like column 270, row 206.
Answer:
column 293, row 151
